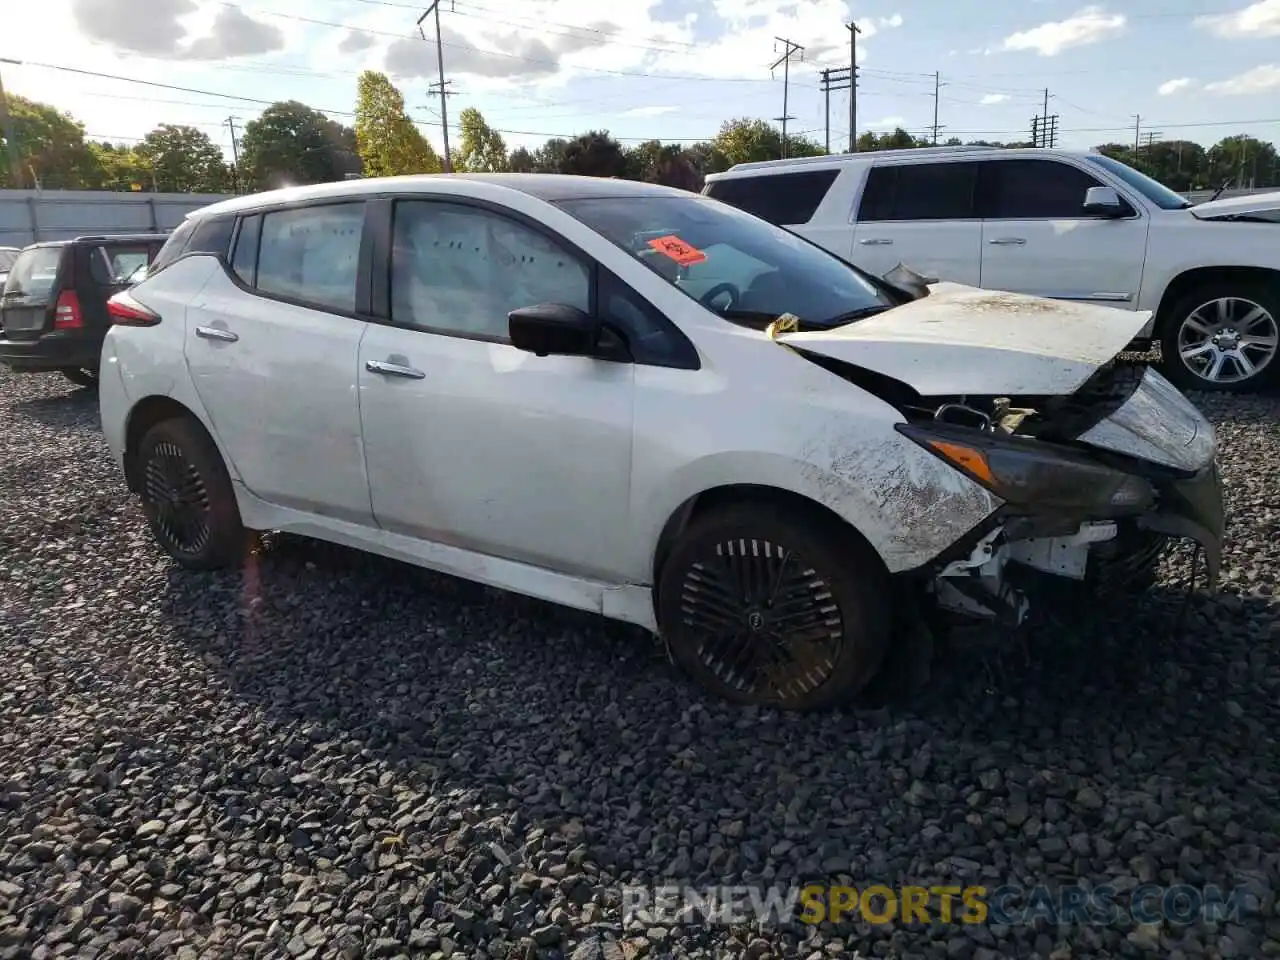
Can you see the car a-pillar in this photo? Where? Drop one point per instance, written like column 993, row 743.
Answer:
column 765, row 597
column 1219, row 329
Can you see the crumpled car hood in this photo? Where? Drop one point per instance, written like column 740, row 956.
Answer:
column 962, row 340
column 1255, row 204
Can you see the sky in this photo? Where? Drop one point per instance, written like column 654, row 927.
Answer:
column 666, row 69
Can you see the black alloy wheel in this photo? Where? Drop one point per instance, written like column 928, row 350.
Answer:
column 767, row 607
column 180, row 501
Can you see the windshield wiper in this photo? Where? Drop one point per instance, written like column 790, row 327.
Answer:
column 1217, row 193
column 859, row 314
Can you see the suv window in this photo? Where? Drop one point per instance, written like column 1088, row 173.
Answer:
column 34, row 273
column 1035, row 190
column 459, row 269
column 312, row 254
column 919, row 191
column 244, row 261
column 111, row 264
column 781, row 198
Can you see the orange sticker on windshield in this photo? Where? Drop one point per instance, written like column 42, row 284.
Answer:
column 679, row 251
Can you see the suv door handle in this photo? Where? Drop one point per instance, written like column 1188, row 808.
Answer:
column 393, row 369
column 876, row 242
column 1007, row 241
column 216, row 333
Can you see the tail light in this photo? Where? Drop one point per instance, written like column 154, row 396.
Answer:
column 66, row 314
column 126, row 311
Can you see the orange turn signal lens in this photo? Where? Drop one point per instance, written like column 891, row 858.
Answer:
column 967, row 457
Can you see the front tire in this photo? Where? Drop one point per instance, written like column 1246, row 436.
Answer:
column 1223, row 337
column 187, row 496
column 770, row 606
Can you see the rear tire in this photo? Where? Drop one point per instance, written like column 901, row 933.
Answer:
column 81, row 376
column 770, row 606
column 1217, row 332
column 187, row 496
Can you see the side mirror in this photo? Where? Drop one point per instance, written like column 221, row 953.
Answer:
column 1103, row 202
column 555, row 329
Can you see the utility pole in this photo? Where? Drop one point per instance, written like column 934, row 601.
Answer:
column 10, row 137
column 1137, row 131
column 790, row 49
column 833, row 79
column 937, row 90
column 235, row 156
column 854, row 30
column 1052, row 133
column 1151, row 136
column 444, row 110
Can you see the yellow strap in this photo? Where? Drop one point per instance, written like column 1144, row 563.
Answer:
column 787, row 323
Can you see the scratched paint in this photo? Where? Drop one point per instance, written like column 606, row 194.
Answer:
column 1157, row 424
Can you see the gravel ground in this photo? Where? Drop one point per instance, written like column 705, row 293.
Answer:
column 334, row 756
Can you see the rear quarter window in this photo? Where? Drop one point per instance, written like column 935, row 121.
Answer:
column 34, row 273
column 111, row 263
column 783, row 199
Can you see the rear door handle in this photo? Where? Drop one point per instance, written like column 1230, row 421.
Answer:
column 1007, row 241
column 876, row 242
column 216, row 333
column 393, row 370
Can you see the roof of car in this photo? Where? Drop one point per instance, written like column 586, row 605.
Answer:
column 839, row 160
column 103, row 238
column 551, row 187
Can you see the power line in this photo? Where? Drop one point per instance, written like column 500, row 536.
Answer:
column 789, row 50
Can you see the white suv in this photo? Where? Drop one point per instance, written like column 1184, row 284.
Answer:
column 595, row 392
column 1051, row 223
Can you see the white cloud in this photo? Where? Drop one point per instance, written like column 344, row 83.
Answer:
column 1049, row 39
column 887, row 123
column 1173, row 86
column 1261, row 19
column 891, row 22
column 167, row 30
column 993, row 98
column 649, row 111
column 1261, row 79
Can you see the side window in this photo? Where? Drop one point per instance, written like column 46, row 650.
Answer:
column 920, row 191
column 1036, row 190
column 461, row 270
column 312, row 254
column 174, row 246
column 244, row 260
column 784, row 199
column 116, row 263
column 211, row 235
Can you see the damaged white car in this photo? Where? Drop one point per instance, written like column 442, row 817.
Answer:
column 648, row 404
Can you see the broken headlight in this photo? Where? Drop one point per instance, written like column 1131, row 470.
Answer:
column 1032, row 473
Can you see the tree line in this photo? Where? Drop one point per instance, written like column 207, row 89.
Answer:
column 291, row 143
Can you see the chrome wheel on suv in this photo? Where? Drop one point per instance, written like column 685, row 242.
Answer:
column 1223, row 337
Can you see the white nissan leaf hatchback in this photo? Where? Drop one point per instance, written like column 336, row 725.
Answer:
column 645, row 403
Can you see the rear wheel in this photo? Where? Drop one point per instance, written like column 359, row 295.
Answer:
column 187, row 496
column 1223, row 336
column 770, row 606
column 81, row 376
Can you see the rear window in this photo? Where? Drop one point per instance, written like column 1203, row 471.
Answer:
column 34, row 273
column 919, row 191
column 111, row 263
column 783, row 199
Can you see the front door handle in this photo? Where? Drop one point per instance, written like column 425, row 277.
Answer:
column 393, row 369
column 1007, row 241
column 216, row 333
column 876, row 242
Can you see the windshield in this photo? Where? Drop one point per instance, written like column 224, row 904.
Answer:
column 741, row 267
column 1153, row 190
column 33, row 273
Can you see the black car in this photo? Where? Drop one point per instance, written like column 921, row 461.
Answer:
column 53, row 312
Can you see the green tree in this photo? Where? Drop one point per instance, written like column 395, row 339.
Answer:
column 549, row 158
column 707, row 158
column 1243, row 160
column 521, row 161
column 482, row 149
column 898, row 139
column 594, row 154
column 665, row 163
column 290, row 143
column 746, row 141
column 388, row 142
column 51, row 147
column 122, row 167
column 184, row 160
